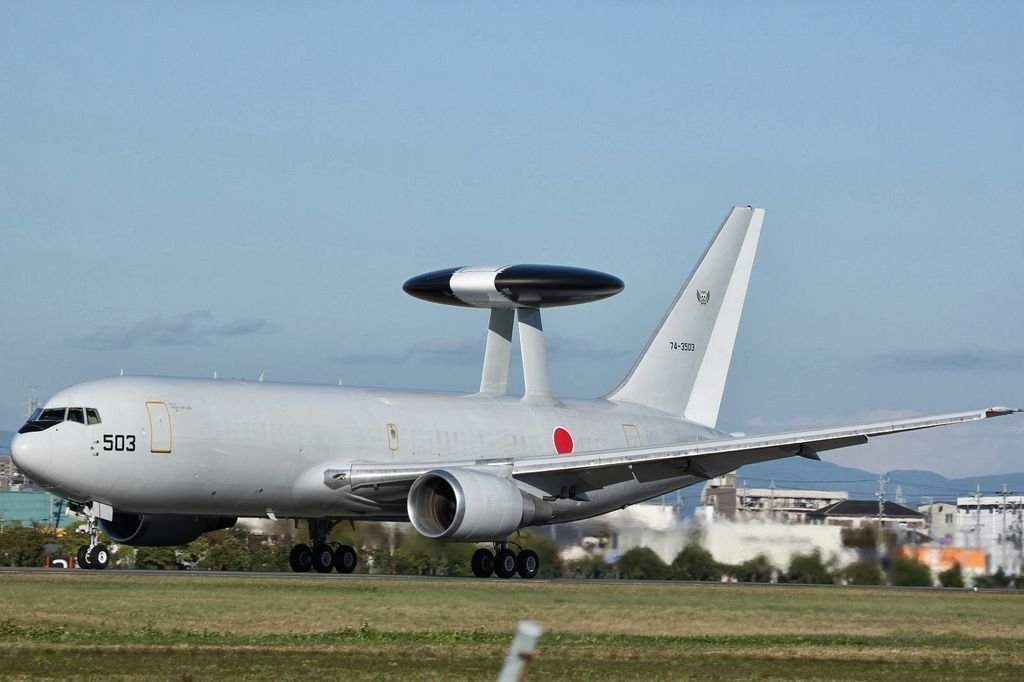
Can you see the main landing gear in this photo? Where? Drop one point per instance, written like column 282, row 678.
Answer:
column 322, row 557
column 93, row 555
column 505, row 563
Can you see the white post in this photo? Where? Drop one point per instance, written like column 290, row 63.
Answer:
column 521, row 652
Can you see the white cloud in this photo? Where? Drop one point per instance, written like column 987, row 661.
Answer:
column 187, row 329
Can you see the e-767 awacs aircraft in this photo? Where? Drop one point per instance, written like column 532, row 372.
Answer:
column 159, row 461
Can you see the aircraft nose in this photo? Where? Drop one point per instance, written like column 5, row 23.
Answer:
column 31, row 454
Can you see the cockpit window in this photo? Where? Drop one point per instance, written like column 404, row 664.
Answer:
column 53, row 414
column 43, row 419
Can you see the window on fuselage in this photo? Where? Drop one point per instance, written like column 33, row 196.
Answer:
column 76, row 414
column 92, row 416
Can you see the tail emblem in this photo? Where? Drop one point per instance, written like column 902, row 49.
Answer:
column 703, row 296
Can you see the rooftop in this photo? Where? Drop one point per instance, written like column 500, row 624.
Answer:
column 866, row 508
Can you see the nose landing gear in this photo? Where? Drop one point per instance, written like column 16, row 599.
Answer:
column 505, row 563
column 93, row 555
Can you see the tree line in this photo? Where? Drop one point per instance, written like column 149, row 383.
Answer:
column 386, row 550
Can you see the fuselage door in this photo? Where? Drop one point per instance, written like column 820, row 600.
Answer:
column 159, row 427
column 632, row 434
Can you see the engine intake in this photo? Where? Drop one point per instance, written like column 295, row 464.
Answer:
column 471, row 506
column 159, row 530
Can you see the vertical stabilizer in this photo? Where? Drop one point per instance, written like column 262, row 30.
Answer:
column 684, row 366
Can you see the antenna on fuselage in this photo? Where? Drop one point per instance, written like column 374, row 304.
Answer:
column 514, row 292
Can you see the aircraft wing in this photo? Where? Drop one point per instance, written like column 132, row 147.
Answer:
column 700, row 459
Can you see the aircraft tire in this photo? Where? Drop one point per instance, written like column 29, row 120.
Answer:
column 98, row 556
column 323, row 558
column 345, row 559
column 505, row 563
column 301, row 558
column 83, row 557
column 528, row 564
column 482, row 563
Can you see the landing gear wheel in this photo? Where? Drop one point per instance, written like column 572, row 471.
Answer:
column 301, row 558
column 505, row 563
column 98, row 557
column 323, row 558
column 345, row 559
column 83, row 557
column 527, row 564
column 482, row 563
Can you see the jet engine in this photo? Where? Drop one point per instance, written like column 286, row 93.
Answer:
column 471, row 506
column 159, row 530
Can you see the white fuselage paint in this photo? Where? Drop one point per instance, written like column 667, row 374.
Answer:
column 244, row 448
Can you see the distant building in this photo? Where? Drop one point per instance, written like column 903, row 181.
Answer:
column 973, row 562
column 940, row 521
column 993, row 523
column 858, row 513
column 724, row 500
column 10, row 477
column 657, row 526
column 734, row 543
column 33, row 508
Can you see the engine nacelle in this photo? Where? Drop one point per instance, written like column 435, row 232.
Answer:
column 471, row 506
column 159, row 530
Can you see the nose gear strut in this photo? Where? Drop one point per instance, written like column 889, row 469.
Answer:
column 94, row 555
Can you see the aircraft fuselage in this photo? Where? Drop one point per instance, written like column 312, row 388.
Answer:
column 244, row 448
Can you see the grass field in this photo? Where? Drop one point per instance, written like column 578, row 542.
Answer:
column 88, row 625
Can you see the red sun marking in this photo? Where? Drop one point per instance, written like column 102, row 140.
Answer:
column 563, row 441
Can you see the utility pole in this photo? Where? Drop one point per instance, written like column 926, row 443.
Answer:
column 977, row 516
column 927, row 501
column 1002, row 537
column 33, row 399
column 880, row 496
column 743, row 503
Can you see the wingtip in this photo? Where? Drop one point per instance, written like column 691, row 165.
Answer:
column 1000, row 411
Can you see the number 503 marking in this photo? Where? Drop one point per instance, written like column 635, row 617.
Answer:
column 118, row 443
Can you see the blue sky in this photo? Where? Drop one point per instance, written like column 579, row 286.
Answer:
column 240, row 187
